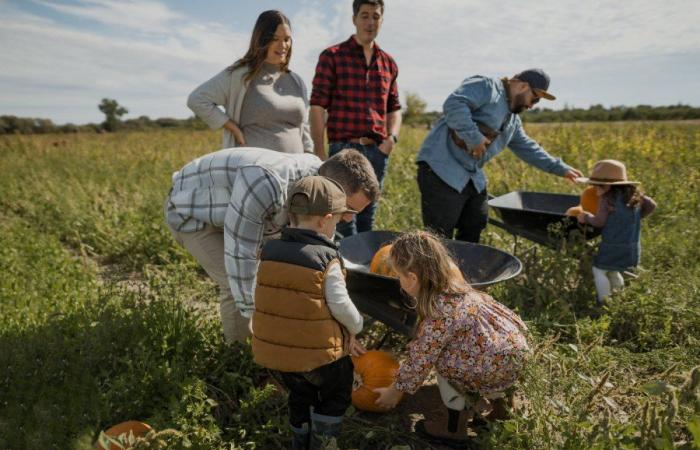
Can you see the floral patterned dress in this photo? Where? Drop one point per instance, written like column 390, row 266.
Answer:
column 475, row 343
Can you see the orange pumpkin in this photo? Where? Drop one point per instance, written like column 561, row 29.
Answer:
column 374, row 369
column 381, row 263
column 574, row 211
column 122, row 436
column 589, row 200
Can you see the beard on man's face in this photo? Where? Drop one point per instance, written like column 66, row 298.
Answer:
column 519, row 104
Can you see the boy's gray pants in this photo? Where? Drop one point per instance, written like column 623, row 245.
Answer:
column 207, row 246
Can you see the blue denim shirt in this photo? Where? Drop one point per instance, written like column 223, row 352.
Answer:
column 484, row 100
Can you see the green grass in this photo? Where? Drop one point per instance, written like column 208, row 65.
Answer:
column 103, row 318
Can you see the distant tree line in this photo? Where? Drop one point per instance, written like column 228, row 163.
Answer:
column 28, row 125
column 598, row 113
column 113, row 122
column 415, row 115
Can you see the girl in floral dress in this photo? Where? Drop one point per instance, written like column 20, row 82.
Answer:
column 477, row 346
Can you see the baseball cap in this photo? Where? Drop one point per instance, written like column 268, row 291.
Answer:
column 318, row 196
column 538, row 81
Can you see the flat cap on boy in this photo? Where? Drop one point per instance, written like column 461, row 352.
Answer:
column 318, row 196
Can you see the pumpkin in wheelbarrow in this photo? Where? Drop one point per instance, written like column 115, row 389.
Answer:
column 589, row 203
column 381, row 263
column 373, row 369
column 122, row 435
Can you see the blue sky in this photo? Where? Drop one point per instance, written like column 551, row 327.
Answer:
column 60, row 58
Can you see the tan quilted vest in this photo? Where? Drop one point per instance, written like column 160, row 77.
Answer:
column 293, row 329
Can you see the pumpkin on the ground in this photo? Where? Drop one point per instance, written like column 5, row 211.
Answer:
column 381, row 263
column 374, row 369
column 122, row 435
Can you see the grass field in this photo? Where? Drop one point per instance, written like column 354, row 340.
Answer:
column 103, row 318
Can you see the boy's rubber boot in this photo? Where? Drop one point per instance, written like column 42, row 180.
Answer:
column 300, row 437
column 324, row 429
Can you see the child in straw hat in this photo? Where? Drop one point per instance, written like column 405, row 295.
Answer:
column 621, row 208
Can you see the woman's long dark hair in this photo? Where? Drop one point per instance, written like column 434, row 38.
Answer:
column 263, row 33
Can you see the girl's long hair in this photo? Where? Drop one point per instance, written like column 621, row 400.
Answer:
column 263, row 33
column 422, row 253
column 631, row 194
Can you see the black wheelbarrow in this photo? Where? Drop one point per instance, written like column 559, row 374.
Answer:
column 540, row 217
column 381, row 297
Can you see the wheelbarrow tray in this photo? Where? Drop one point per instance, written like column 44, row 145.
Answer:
column 381, row 296
column 535, row 216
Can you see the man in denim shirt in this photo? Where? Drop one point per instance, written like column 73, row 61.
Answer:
column 480, row 120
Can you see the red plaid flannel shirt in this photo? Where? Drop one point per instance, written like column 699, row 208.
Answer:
column 357, row 97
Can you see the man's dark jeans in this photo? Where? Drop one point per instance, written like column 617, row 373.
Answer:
column 445, row 209
column 365, row 219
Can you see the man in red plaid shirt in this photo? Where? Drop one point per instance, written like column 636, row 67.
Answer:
column 355, row 83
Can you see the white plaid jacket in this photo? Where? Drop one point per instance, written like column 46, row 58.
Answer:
column 242, row 190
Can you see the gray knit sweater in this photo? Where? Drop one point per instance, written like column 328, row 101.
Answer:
column 227, row 89
column 273, row 111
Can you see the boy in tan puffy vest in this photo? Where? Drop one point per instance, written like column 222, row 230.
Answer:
column 304, row 321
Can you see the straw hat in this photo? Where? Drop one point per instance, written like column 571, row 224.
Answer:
column 608, row 172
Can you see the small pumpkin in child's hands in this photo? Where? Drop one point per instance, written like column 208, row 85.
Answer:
column 589, row 200
column 574, row 211
column 373, row 369
column 589, row 203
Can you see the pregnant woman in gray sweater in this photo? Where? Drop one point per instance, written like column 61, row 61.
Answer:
column 265, row 104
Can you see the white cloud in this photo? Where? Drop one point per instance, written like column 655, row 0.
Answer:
column 141, row 15
column 437, row 44
column 150, row 75
column 149, row 56
column 315, row 26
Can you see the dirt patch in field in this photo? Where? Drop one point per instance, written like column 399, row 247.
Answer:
column 133, row 281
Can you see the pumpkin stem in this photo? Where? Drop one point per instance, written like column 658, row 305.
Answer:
column 357, row 381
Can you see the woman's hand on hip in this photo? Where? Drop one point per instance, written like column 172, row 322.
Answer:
column 236, row 132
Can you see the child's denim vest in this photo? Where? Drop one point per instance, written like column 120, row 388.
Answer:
column 620, row 247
